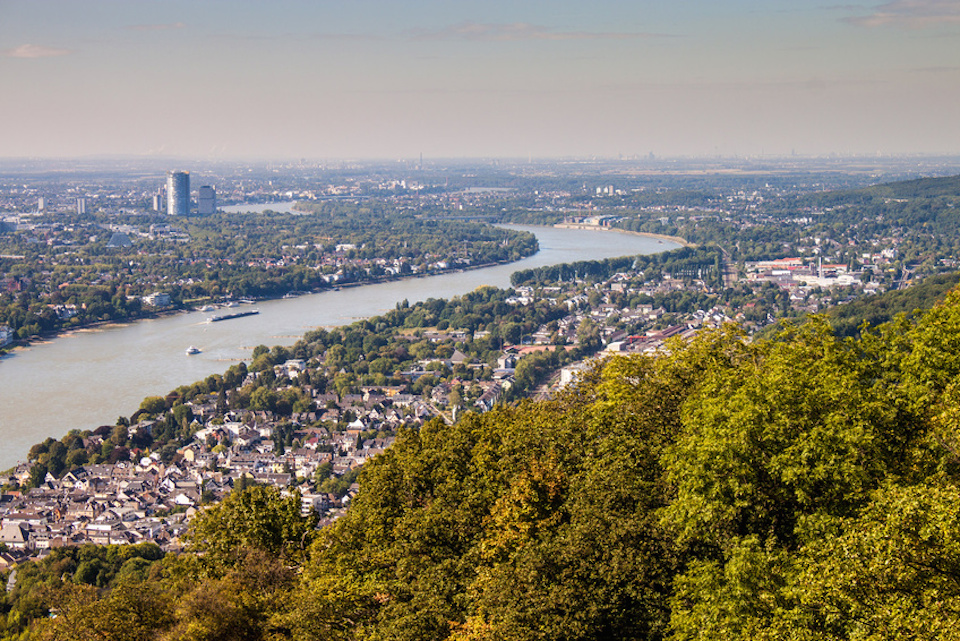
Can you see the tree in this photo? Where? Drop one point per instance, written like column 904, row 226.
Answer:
column 38, row 472
column 153, row 405
column 132, row 610
column 257, row 518
column 796, row 429
column 263, row 398
column 119, row 435
column 890, row 572
column 324, row 470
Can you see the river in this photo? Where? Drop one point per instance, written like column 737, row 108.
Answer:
column 90, row 377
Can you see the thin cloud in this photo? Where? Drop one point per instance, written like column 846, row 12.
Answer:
column 844, row 7
column 35, row 51
column 157, row 27
column 300, row 37
column 345, row 36
column 910, row 14
column 502, row 32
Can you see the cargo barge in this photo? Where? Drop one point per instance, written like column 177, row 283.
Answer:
column 223, row 317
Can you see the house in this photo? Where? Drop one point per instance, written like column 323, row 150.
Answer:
column 15, row 536
column 507, row 361
column 489, row 397
column 293, row 367
column 187, row 497
column 10, row 559
column 108, row 532
column 158, row 299
column 571, row 373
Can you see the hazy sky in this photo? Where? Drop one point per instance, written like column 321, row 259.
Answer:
column 457, row 78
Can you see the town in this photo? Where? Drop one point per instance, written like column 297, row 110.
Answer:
column 307, row 418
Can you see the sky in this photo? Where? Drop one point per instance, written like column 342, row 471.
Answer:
column 385, row 79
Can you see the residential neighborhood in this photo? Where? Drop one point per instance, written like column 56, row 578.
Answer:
column 583, row 313
column 150, row 501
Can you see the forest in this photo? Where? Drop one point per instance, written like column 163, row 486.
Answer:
column 703, row 263
column 800, row 486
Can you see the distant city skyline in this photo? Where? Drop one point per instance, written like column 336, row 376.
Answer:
column 456, row 78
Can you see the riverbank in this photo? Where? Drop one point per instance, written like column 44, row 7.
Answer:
column 22, row 344
column 92, row 377
column 26, row 343
column 48, row 337
column 592, row 227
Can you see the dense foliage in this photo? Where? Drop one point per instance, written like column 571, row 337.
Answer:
column 875, row 310
column 703, row 263
column 801, row 487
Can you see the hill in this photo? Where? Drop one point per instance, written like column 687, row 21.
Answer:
column 801, row 487
column 907, row 190
column 875, row 310
column 920, row 188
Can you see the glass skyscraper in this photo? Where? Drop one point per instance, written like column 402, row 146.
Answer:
column 178, row 193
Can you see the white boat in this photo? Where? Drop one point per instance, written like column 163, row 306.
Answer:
column 193, row 350
column 207, row 308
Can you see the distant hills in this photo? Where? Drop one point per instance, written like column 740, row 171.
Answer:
column 847, row 319
column 920, row 188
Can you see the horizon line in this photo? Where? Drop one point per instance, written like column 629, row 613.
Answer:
column 513, row 158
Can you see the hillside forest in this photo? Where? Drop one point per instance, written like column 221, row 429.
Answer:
column 800, row 486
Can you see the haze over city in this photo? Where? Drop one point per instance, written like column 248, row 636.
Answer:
column 381, row 79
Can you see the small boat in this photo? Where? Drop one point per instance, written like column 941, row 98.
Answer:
column 192, row 350
column 207, row 308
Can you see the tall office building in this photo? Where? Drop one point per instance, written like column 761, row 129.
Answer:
column 206, row 201
column 178, row 193
column 81, row 206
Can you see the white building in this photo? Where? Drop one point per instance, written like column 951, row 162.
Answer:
column 573, row 372
column 158, row 299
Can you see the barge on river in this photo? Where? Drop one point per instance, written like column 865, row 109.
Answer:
column 223, row 317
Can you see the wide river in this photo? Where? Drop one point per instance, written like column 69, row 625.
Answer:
column 90, row 377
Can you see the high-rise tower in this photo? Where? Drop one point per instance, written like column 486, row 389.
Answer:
column 206, row 201
column 178, row 193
